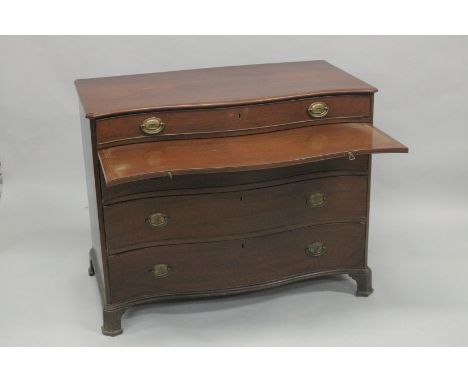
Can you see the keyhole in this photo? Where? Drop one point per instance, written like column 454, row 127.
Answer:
column 238, row 116
column 241, row 198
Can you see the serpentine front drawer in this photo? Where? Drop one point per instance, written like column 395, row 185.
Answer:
column 225, row 181
column 226, row 266
column 256, row 118
column 221, row 215
column 218, row 181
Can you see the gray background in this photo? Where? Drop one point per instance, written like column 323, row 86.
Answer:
column 418, row 246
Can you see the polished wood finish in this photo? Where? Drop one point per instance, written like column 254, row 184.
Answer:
column 281, row 148
column 232, row 264
column 98, row 260
column 206, row 183
column 227, row 184
column 206, row 88
column 194, row 218
column 233, row 120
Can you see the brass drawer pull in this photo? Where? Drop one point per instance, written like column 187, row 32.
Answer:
column 318, row 109
column 157, row 220
column 160, row 270
column 152, row 126
column 317, row 199
column 316, row 249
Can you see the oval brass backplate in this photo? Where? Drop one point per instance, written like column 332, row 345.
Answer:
column 152, row 126
column 157, row 220
column 318, row 110
column 316, row 249
column 160, row 270
column 317, row 199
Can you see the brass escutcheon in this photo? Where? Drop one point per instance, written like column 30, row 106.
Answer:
column 318, row 109
column 157, row 220
column 152, row 126
column 160, row 270
column 316, row 249
column 317, row 199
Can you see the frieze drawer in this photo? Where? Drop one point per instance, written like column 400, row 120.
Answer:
column 233, row 120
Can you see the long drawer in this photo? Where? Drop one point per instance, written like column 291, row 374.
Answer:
column 269, row 116
column 218, row 266
column 210, row 182
column 227, row 215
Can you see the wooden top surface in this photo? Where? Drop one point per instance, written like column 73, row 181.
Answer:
column 224, row 86
column 122, row 164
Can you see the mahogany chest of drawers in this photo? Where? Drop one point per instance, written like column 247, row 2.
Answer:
column 219, row 181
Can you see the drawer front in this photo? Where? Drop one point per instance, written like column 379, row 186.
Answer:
column 191, row 218
column 210, row 182
column 217, row 266
column 190, row 123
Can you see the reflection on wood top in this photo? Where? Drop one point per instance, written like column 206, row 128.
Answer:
column 224, row 86
column 122, row 164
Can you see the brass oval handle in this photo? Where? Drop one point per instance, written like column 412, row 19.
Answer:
column 157, row 220
column 317, row 199
column 318, row 109
column 160, row 270
column 152, row 126
column 316, row 249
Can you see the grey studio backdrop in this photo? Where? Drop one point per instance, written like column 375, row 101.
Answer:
column 418, row 247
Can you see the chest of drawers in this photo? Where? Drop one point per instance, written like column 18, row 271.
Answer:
column 219, row 181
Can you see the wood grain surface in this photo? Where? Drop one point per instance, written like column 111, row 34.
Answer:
column 276, row 149
column 225, row 86
column 218, row 216
column 236, row 263
column 222, row 182
column 238, row 120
